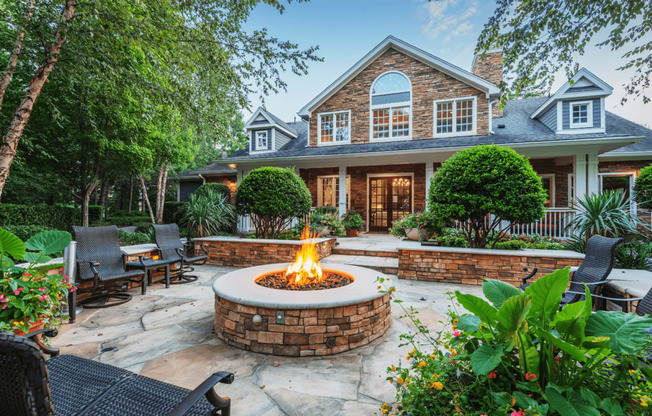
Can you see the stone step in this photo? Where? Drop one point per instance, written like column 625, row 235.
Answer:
column 365, row 252
column 387, row 265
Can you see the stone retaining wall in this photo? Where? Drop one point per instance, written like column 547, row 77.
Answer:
column 246, row 252
column 470, row 266
column 304, row 332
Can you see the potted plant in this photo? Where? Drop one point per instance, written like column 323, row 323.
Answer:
column 30, row 298
column 409, row 227
column 326, row 224
column 352, row 222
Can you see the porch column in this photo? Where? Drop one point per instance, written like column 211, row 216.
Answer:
column 592, row 179
column 579, row 170
column 342, row 191
column 430, row 172
column 243, row 220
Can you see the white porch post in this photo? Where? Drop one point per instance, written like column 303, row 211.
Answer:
column 430, row 172
column 342, row 191
column 243, row 223
column 579, row 169
column 592, row 179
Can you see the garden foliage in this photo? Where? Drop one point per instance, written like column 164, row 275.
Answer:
column 519, row 354
column 208, row 213
column 272, row 197
column 219, row 188
column 485, row 181
column 643, row 188
column 58, row 217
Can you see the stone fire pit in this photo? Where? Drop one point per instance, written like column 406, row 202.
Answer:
column 300, row 323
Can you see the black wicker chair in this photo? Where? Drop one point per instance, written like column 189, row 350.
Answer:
column 172, row 248
column 68, row 385
column 594, row 270
column 100, row 260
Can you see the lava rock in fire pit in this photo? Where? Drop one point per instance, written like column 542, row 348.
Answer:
column 329, row 280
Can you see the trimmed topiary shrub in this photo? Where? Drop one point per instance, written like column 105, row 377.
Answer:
column 219, row 188
column 272, row 197
column 483, row 186
column 643, row 187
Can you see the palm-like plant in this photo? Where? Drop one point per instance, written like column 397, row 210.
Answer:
column 208, row 213
column 607, row 214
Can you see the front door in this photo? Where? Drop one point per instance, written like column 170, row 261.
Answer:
column 390, row 198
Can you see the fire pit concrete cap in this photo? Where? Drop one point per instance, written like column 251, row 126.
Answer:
column 240, row 287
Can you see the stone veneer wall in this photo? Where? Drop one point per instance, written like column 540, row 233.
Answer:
column 428, row 84
column 305, row 332
column 245, row 252
column 470, row 266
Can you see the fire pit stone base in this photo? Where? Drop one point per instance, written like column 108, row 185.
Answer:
column 303, row 332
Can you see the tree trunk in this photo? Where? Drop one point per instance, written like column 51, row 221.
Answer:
column 131, row 192
column 22, row 114
column 160, row 192
column 146, row 198
column 104, row 195
column 15, row 53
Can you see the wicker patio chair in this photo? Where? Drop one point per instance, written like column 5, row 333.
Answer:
column 68, row 385
column 594, row 270
column 172, row 248
column 100, row 260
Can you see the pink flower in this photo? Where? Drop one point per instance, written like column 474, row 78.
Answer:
column 519, row 413
column 456, row 334
column 530, row 376
column 4, row 306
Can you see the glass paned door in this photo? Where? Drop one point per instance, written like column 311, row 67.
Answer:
column 390, row 198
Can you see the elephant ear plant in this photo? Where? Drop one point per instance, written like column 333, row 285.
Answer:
column 28, row 294
column 519, row 354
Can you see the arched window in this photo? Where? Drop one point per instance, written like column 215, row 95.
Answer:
column 391, row 105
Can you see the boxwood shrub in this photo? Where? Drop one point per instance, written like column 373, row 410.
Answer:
column 271, row 197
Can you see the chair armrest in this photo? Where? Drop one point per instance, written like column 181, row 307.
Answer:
column 48, row 332
column 94, row 265
column 206, row 388
column 531, row 275
column 204, row 248
column 601, row 282
column 141, row 260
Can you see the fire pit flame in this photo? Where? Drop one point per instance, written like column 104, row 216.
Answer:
column 306, row 269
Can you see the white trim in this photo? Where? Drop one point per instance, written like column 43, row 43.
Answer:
column 390, row 107
column 474, row 109
column 553, row 184
column 334, row 142
column 385, row 175
column 320, row 202
column 632, row 179
column 589, row 114
column 570, row 191
column 412, row 51
column 272, row 138
column 589, row 130
column 271, row 123
column 561, row 92
column 603, row 119
column 560, row 117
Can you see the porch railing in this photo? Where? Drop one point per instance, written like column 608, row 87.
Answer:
column 244, row 225
column 553, row 224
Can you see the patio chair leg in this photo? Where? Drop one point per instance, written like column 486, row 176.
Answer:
column 167, row 276
column 104, row 300
column 72, row 306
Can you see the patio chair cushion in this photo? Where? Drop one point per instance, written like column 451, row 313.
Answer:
column 81, row 385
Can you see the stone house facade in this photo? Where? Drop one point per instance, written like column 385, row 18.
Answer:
column 372, row 140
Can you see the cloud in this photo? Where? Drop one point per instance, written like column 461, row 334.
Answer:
column 448, row 17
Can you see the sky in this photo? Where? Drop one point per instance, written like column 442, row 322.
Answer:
column 346, row 30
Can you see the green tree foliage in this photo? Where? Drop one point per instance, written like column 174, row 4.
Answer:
column 272, row 197
column 482, row 181
column 542, row 37
column 218, row 188
column 643, row 188
column 138, row 88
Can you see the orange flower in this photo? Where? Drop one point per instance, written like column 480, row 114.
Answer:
column 491, row 375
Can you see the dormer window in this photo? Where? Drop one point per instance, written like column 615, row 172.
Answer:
column 262, row 140
column 581, row 114
column 391, row 107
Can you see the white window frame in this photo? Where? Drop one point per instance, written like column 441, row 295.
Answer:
column 474, row 108
column 390, row 107
column 632, row 179
column 551, row 176
column 320, row 192
column 334, row 114
column 589, row 114
column 261, row 133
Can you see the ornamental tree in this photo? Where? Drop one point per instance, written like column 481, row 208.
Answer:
column 272, row 197
column 486, row 189
column 643, row 188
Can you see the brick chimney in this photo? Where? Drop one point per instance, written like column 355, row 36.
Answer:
column 489, row 66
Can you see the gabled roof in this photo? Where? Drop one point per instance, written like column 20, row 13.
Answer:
column 583, row 84
column 209, row 170
column 410, row 50
column 272, row 121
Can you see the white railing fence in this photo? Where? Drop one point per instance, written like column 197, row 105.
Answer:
column 245, row 226
column 553, row 224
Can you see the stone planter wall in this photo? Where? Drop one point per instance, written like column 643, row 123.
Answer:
column 246, row 252
column 470, row 266
column 304, row 332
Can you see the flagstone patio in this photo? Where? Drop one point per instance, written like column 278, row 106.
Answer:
column 168, row 335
